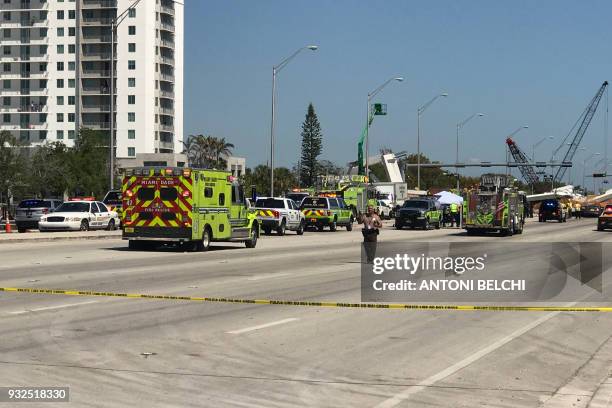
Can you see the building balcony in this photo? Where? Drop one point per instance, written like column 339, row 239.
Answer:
column 96, row 73
column 99, row 4
column 17, row 5
column 25, row 23
column 96, row 21
column 166, row 145
column 165, row 60
column 23, row 126
column 96, row 91
column 166, row 110
column 167, row 26
column 96, row 39
column 95, row 108
column 19, row 75
column 166, row 44
column 96, row 56
column 95, row 124
column 165, row 128
column 25, row 92
column 166, row 77
column 166, row 94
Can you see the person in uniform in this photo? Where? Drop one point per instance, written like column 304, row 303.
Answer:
column 371, row 225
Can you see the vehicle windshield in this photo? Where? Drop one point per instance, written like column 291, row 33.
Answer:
column 314, row 202
column 297, row 197
column 34, row 204
column 112, row 197
column 416, row 204
column 73, row 207
column 269, row 203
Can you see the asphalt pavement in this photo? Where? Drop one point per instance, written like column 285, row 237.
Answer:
column 116, row 352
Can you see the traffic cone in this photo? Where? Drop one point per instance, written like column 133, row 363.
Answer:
column 7, row 224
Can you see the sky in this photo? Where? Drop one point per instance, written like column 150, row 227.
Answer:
column 518, row 62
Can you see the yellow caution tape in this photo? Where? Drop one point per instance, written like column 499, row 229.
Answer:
column 314, row 304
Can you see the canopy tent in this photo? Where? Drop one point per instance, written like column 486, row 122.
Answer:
column 446, row 197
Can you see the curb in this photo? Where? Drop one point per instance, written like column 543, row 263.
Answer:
column 50, row 239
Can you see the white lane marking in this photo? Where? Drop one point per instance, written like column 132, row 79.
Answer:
column 263, row 326
column 401, row 396
column 40, row 309
column 267, row 276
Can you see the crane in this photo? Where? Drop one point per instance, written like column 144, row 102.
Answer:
column 528, row 172
column 585, row 120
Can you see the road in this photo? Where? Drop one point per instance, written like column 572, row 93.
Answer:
column 115, row 352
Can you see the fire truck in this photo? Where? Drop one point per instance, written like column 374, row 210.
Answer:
column 356, row 191
column 190, row 207
column 494, row 206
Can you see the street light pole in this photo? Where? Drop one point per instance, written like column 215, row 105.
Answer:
column 420, row 111
column 114, row 24
column 460, row 126
column 275, row 70
column 371, row 95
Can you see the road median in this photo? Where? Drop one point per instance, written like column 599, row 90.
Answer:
column 36, row 236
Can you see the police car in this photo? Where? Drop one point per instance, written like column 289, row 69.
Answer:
column 80, row 215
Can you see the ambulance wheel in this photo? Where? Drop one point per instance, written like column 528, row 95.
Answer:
column 600, row 227
column 437, row 225
column 252, row 242
column 349, row 227
column 204, row 244
column 333, row 226
column 84, row 225
column 282, row 228
column 300, row 230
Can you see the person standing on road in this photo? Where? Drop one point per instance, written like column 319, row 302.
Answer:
column 454, row 208
column 371, row 224
column 578, row 211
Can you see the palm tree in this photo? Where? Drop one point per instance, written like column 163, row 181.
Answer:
column 221, row 148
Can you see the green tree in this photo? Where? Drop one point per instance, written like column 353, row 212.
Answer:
column 221, row 148
column 88, row 164
column 284, row 179
column 312, row 144
column 49, row 170
column 12, row 166
column 207, row 152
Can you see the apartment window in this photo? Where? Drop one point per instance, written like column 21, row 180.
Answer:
column 60, row 31
column 156, row 84
column 42, row 134
column 131, row 116
column 42, row 83
column 71, row 134
column 71, row 117
column 71, row 14
column 60, row 117
column 71, row 31
column 131, row 82
column 132, row 47
column 42, row 67
column 71, row 49
column 6, row 16
column 42, row 49
column 42, row 31
column 132, row 30
column 6, row 118
column 7, row 50
column 60, row 48
column 156, row 50
column 6, row 67
column 6, row 83
column 131, row 65
column 59, row 134
column 71, row 100
column 71, row 83
column 131, row 134
column 71, row 65
column 6, row 101
column 156, row 101
column 132, row 13
column 60, row 65
column 60, row 14
column 59, row 100
column 131, row 99
column 59, row 83
column 6, row 32
column 131, row 151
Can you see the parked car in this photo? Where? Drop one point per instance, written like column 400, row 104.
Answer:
column 30, row 211
column 419, row 212
column 279, row 214
column 329, row 212
column 552, row 209
column 80, row 215
column 605, row 219
column 384, row 210
column 590, row 211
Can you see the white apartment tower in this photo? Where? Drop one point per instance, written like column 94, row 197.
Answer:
column 55, row 74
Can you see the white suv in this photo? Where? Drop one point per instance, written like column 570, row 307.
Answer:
column 80, row 215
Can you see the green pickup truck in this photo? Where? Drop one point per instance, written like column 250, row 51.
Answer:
column 329, row 212
column 419, row 212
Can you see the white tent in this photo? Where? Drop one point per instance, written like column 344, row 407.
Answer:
column 446, row 197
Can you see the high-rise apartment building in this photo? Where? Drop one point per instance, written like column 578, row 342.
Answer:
column 55, row 73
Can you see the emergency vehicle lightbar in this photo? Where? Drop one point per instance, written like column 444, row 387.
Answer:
column 89, row 198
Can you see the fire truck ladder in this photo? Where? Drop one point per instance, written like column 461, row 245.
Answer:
column 585, row 120
column 528, row 172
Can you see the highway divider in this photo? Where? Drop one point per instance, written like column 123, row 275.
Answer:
column 403, row 306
